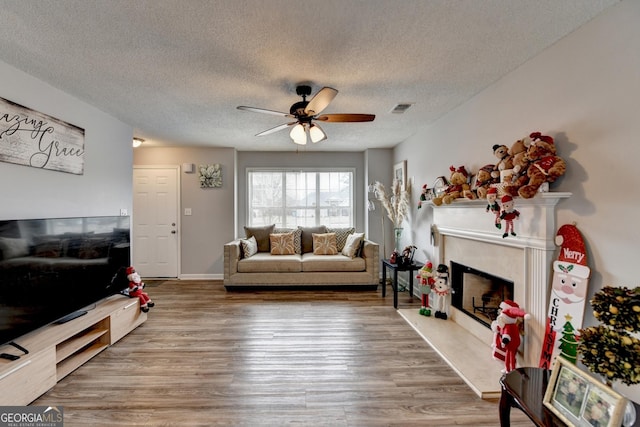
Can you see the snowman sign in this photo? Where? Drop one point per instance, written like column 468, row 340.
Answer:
column 568, row 294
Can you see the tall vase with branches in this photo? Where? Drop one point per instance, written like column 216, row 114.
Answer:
column 396, row 203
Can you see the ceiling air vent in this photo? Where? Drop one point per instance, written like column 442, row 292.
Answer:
column 401, row 108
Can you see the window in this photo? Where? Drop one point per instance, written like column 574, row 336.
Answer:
column 291, row 198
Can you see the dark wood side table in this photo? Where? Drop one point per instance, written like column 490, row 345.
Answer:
column 524, row 388
column 415, row 266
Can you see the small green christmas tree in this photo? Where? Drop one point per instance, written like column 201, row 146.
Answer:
column 568, row 342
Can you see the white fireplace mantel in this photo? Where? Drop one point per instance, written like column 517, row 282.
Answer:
column 469, row 219
column 465, row 232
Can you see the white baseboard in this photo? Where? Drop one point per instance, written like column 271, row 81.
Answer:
column 201, row 277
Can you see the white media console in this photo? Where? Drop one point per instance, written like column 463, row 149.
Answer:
column 57, row 350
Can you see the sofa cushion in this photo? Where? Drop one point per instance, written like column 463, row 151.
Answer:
column 307, row 236
column 324, row 244
column 261, row 234
column 341, row 236
column 264, row 262
column 249, row 246
column 282, row 243
column 297, row 237
column 352, row 245
column 338, row 262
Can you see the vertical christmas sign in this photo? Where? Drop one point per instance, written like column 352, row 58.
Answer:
column 567, row 300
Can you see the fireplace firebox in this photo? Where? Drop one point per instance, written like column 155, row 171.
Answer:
column 477, row 293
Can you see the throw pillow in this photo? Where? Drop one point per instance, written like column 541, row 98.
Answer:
column 249, row 247
column 297, row 237
column 341, row 235
column 94, row 248
column 47, row 248
column 282, row 244
column 13, row 248
column 261, row 234
column 324, row 244
column 307, row 236
column 352, row 245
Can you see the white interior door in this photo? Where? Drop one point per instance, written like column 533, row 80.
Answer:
column 155, row 221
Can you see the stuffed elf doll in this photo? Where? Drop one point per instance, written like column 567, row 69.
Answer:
column 425, row 275
column 493, row 206
column 135, row 289
column 509, row 213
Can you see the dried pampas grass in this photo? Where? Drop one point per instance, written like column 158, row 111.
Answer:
column 396, row 203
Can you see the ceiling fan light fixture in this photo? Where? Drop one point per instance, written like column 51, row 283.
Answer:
column 304, row 112
column 298, row 134
column 316, row 133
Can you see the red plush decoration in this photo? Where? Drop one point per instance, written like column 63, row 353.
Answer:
column 507, row 328
column 540, row 164
column 458, row 187
column 136, row 286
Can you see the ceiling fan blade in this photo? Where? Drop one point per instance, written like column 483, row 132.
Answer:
column 276, row 129
column 320, row 101
column 335, row 118
column 264, row 111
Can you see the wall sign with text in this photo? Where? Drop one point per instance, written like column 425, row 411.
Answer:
column 34, row 139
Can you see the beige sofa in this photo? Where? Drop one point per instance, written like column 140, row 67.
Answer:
column 300, row 269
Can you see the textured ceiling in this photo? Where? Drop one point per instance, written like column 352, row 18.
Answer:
column 176, row 70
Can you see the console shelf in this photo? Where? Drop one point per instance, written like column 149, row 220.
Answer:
column 78, row 359
column 58, row 349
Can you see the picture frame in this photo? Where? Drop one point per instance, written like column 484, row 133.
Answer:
column 580, row 400
column 400, row 173
column 440, row 186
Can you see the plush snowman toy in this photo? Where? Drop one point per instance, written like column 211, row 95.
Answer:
column 442, row 292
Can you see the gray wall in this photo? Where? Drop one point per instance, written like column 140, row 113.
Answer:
column 218, row 215
column 247, row 159
column 211, row 223
column 105, row 186
column 379, row 167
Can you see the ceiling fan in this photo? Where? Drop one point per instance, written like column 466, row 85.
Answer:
column 305, row 112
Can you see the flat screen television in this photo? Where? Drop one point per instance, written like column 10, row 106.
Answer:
column 57, row 268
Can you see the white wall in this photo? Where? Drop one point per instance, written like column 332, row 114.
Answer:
column 105, row 186
column 584, row 91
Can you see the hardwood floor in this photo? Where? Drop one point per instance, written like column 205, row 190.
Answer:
column 206, row 357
